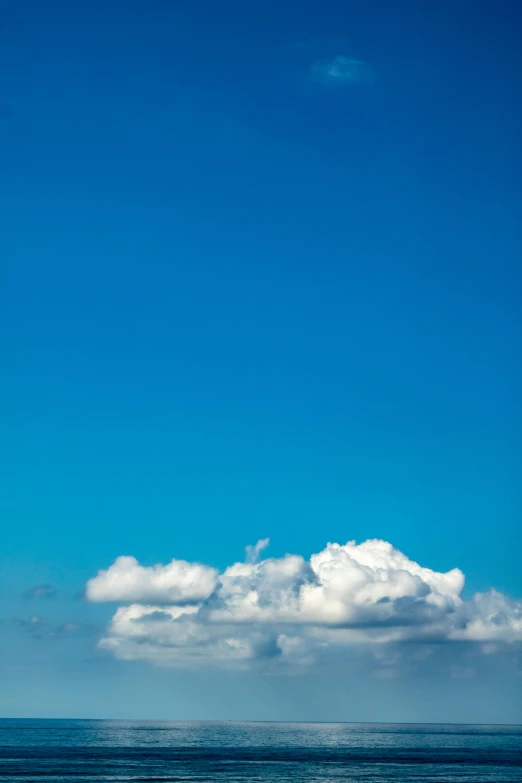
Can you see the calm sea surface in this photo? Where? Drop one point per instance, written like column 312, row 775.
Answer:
column 76, row 750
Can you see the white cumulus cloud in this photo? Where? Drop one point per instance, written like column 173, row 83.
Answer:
column 177, row 582
column 290, row 610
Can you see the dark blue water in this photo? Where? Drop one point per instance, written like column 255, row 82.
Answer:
column 72, row 751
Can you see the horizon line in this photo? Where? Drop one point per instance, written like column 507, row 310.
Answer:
column 305, row 722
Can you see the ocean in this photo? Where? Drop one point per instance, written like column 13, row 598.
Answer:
column 95, row 750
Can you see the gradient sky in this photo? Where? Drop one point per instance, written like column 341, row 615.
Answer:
column 260, row 277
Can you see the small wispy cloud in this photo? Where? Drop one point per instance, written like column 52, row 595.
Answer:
column 69, row 627
column 252, row 552
column 38, row 628
column 33, row 623
column 342, row 70
column 462, row 672
column 41, row 591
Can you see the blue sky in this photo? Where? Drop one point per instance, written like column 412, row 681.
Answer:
column 261, row 278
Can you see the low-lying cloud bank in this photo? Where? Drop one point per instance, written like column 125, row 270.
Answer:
column 290, row 610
